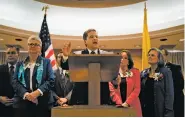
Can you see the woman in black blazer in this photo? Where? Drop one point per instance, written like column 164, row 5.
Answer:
column 157, row 94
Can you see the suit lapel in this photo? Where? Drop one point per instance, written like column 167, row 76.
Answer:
column 7, row 71
column 85, row 51
column 36, row 66
column 6, row 68
column 27, row 77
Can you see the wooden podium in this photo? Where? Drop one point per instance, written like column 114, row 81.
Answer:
column 98, row 111
column 93, row 69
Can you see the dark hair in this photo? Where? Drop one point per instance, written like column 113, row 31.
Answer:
column 17, row 49
column 165, row 51
column 130, row 61
column 86, row 33
column 58, row 54
column 160, row 57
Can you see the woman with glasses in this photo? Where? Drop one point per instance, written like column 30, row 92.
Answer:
column 125, row 88
column 157, row 93
column 33, row 80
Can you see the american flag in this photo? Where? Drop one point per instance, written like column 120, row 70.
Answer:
column 47, row 47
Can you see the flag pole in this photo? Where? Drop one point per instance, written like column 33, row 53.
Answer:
column 45, row 8
column 146, row 45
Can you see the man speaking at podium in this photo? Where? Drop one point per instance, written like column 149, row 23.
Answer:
column 80, row 91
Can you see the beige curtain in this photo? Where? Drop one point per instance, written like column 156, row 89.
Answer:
column 177, row 58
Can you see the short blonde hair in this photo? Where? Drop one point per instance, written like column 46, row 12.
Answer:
column 33, row 37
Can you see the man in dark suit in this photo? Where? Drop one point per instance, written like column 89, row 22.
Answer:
column 63, row 85
column 80, row 91
column 6, row 90
column 178, row 81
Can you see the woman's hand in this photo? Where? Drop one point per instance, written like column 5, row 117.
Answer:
column 65, row 105
column 125, row 104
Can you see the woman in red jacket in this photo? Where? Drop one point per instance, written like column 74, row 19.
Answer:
column 125, row 88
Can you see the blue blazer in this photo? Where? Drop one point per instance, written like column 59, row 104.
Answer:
column 47, row 83
column 163, row 93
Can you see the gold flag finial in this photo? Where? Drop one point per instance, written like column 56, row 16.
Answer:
column 45, row 8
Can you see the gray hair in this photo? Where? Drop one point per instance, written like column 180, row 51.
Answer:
column 160, row 57
column 35, row 38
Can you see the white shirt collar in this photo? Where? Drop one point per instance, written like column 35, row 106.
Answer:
column 11, row 65
column 61, row 70
column 120, row 73
column 96, row 51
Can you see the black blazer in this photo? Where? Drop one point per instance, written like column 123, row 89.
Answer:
column 163, row 93
column 178, row 81
column 6, row 89
column 63, row 85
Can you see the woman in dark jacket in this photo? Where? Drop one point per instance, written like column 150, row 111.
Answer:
column 157, row 93
column 33, row 80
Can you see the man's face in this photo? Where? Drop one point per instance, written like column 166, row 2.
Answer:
column 59, row 57
column 92, row 40
column 164, row 55
column 34, row 47
column 12, row 55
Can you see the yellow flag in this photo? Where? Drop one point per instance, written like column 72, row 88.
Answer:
column 145, row 42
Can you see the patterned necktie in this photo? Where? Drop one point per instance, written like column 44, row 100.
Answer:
column 11, row 71
column 92, row 52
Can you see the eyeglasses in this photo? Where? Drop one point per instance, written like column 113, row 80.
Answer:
column 13, row 52
column 151, row 55
column 33, row 44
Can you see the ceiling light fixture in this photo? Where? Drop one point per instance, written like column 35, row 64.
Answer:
column 181, row 40
column 137, row 46
column 78, row 46
column 18, row 39
column 163, row 39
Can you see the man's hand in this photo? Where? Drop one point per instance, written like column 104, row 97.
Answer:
column 62, row 101
column 66, row 49
column 5, row 100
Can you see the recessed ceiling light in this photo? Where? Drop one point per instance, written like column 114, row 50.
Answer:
column 78, row 46
column 18, row 39
column 137, row 46
column 163, row 39
column 181, row 40
column 1, row 39
column 102, row 46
